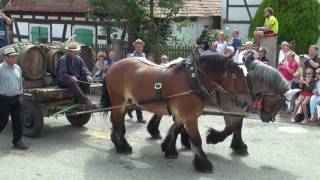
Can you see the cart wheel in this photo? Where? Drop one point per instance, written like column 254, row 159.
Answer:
column 79, row 120
column 32, row 118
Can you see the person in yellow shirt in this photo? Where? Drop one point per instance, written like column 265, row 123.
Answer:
column 270, row 27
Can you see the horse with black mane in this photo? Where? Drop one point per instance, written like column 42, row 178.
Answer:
column 132, row 82
column 263, row 81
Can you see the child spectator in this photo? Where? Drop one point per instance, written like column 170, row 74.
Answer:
column 307, row 86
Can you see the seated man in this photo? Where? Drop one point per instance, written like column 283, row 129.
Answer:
column 270, row 27
column 74, row 74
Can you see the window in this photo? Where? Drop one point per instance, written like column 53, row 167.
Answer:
column 84, row 36
column 39, row 34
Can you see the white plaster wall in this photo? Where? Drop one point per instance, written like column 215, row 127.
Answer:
column 238, row 14
column 193, row 32
column 23, row 28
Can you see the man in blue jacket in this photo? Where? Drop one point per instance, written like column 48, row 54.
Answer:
column 74, row 74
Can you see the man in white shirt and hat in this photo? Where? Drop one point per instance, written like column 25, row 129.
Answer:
column 11, row 96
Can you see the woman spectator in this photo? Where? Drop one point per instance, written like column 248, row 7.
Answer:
column 221, row 43
column 98, row 68
column 262, row 55
column 289, row 66
column 282, row 51
column 307, row 86
column 315, row 98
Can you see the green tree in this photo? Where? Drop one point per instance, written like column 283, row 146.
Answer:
column 298, row 21
column 3, row 3
column 137, row 17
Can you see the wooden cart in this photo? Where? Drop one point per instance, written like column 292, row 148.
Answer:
column 49, row 101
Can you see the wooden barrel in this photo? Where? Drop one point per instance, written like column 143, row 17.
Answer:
column 53, row 56
column 32, row 62
column 87, row 56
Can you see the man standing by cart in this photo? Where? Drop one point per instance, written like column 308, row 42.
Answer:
column 11, row 96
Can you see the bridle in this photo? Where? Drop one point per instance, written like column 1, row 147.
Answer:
column 235, row 97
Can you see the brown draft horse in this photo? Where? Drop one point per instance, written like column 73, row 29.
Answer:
column 261, row 80
column 132, row 81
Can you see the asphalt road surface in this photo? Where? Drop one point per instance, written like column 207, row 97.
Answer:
column 277, row 150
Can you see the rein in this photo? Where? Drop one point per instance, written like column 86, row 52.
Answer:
column 234, row 97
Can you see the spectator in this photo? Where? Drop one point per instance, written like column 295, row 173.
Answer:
column 262, row 55
column 213, row 47
column 11, row 92
column 98, row 68
column 4, row 20
column 105, row 99
column 221, row 43
column 239, row 55
column 270, row 27
column 282, row 54
column 314, row 60
column 138, row 52
column 164, row 60
column 236, row 41
column 229, row 50
column 202, row 47
column 138, row 49
column 151, row 57
column 289, row 66
column 307, row 86
column 315, row 98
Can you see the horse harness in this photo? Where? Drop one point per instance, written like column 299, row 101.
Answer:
column 196, row 85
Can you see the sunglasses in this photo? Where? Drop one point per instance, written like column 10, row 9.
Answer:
column 318, row 73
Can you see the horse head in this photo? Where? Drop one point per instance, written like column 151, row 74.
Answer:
column 218, row 72
column 266, row 82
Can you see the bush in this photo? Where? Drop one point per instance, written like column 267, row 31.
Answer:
column 298, row 21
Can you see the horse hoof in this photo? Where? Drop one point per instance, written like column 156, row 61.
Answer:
column 156, row 136
column 125, row 150
column 240, row 149
column 171, row 154
column 212, row 137
column 202, row 165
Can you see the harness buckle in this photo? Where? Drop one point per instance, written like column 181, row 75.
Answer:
column 158, row 85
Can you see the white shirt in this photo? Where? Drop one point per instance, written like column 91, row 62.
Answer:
column 221, row 47
column 10, row 80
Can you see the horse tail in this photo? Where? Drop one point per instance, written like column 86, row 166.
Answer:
column 105, row 98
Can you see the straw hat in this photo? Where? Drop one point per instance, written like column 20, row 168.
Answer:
column 73, row 47
column 10, row 52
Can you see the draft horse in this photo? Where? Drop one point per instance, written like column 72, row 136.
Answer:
column 172, row 91
column 263, row 81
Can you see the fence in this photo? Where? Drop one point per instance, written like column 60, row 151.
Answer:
column 172, row 52
column 121, row 50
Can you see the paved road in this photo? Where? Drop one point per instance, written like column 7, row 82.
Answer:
column 277, row 151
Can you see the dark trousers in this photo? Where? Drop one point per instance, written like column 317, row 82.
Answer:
column 11, row 106
column 78, row 89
